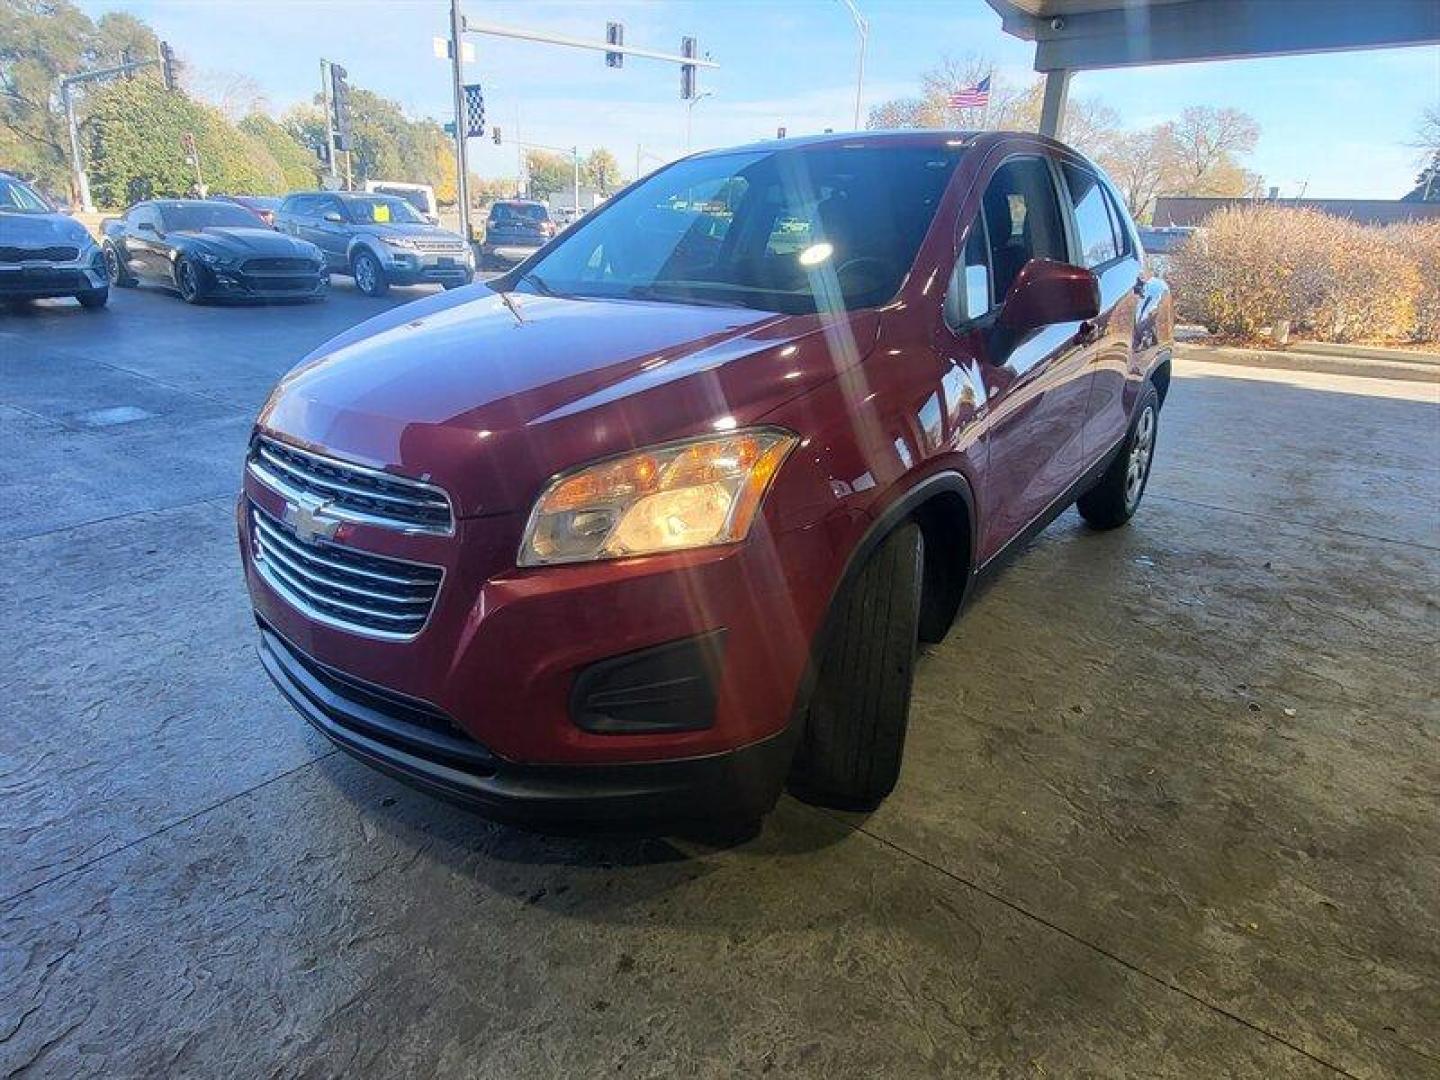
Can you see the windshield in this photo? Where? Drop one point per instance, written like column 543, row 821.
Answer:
column 410, row 195
column 16, row 198
column 794, row 231
column 192, row 217
column 518, row 214
column 381, row 210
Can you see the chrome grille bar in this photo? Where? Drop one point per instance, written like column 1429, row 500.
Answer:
column 352, row 492
column 351, row 590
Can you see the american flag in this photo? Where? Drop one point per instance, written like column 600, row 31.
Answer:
column 972, row 97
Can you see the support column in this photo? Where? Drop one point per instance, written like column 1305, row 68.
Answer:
column 1052, row 111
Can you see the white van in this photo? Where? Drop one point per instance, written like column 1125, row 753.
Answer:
column 420, row 196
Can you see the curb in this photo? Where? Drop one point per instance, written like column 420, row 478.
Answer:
column 1368, row 352
column 1349, row 363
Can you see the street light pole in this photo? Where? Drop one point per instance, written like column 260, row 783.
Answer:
column 689, row 117
column 462, row 173
column 80, row 180
column 862, row 27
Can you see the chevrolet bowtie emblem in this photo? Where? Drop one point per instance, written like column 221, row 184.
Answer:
column 309, row 520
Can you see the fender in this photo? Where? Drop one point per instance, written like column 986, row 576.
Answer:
column 948, row 482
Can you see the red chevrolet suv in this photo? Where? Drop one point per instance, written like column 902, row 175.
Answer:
column 651, row 526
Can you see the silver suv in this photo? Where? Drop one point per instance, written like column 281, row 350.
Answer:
column 379, row 240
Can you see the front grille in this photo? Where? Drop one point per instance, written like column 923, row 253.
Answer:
column 45, row 254
column 440, row 247
column 29, row 281
column 342, row 587
column 351, row 492
column 282, row 284
column 279, row 266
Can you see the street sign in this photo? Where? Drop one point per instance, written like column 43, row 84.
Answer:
column 444, row 52
column 474, row 111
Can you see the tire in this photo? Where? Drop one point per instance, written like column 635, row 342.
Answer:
column 369, row 275
column 854, row 724
column 1117, row 494
column 94, row 299
column 116, row 269
column 188, row 282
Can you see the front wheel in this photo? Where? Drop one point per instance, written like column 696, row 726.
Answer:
column 115, row 268
column 370, row 275
column 187, row 281
column 854, row 734
column 1116, row 495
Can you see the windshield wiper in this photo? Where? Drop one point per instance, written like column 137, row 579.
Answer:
column 540, row 284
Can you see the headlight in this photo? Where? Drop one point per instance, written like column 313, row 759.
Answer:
column 681, row 495
column 400, row 242
column 211, row 259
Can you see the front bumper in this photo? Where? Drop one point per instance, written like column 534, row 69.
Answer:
column 36, row 280
column 224, row 283
column 515, row 660
column 404, row 268
column 410, row 741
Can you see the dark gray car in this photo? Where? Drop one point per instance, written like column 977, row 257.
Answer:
column 379, row 240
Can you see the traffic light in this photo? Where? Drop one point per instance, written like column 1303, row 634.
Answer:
column 340, row 106
column 687, row 71
column 779, row 133
column 615, row 35
column 495, row 134
column 167, row 65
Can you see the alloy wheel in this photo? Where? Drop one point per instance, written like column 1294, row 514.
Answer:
column 365, row 274
column 1142, row 448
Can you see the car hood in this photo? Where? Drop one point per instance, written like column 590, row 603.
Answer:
column 41, row 230
column 409, row 228
column 489, row 403
column 245, row 242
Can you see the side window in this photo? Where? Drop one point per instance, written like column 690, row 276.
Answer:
column 1093, row 221
column 1119, row 217
column 328, row 204
column 1022, row 218
column 969, row 295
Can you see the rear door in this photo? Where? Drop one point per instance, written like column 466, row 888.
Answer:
column 1105, row 245
column 1037, row 388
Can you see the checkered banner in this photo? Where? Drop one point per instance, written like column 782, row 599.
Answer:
column 474, row 112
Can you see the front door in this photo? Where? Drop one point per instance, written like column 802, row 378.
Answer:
column 1037, row 387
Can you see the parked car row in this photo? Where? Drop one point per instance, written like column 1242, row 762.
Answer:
column 226, row 247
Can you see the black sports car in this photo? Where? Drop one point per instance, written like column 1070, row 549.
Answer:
column 208, row 250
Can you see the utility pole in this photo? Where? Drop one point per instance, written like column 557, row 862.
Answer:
column 329, row 121
column 689, row 118
column 78, row 179
column 862, row 27
column 457, row 74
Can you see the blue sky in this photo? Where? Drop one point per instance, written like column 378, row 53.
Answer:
column 1336, row 123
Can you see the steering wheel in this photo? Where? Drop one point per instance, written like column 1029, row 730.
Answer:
column 881, row 265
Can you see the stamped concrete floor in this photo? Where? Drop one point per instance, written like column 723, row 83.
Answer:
column 1169, row 804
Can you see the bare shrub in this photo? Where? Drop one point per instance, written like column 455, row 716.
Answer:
column 1333, row 279
column 1419, row 243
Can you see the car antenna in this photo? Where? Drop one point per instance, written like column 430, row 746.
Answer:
column 514, row 308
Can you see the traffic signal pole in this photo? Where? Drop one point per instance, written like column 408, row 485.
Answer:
column 78, row 179
column 462, row 171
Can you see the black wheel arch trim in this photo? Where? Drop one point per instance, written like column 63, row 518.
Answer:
column 897, row 511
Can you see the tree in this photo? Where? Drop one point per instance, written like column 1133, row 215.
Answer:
column 1207, row 142
column 297, row 163
column 600, row 171
column 136, row 149
column 548, row 173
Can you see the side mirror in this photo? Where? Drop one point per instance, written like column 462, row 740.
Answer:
column 1047, row 292
column 333, row 217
